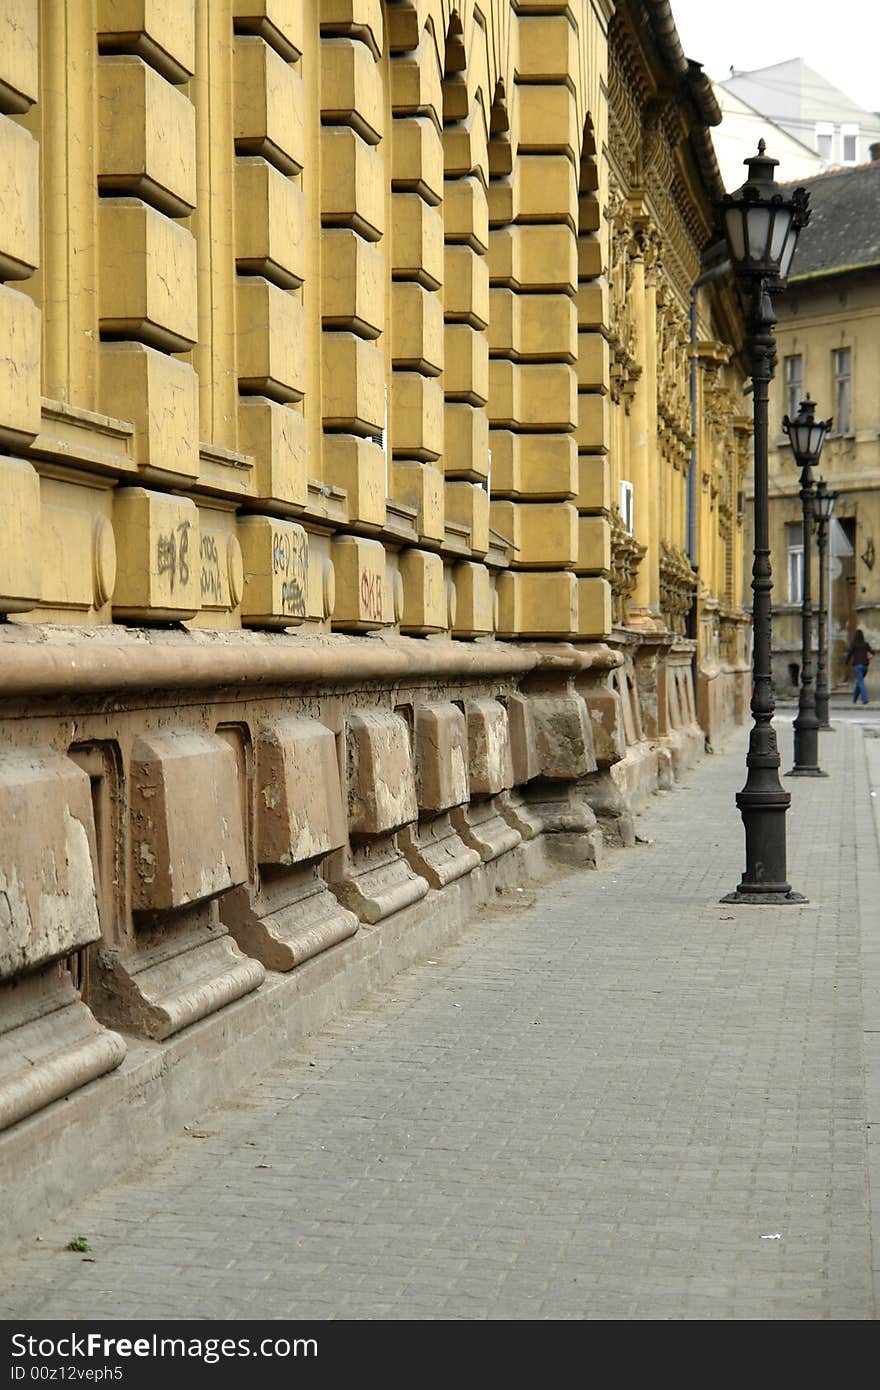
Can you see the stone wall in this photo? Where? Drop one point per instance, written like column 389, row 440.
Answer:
column 331, row 332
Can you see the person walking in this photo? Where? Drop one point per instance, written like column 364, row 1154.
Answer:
column 860, row 653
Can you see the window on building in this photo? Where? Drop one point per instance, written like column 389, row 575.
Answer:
column 825, row 140
column 626, row 505
column 794, row 539
column 849, row 138
column 794, row 383
column 842, row 363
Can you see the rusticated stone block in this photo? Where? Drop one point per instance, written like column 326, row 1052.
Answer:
column 20, row 554
column 160, row 395
column 269, row 102
column 352, row 188
column 157, row 543
column 594, row 490
column 19, row 55
column 269, row 223
column 523, row 739
column 280, row 22
column 538, row 603
column 146, row 136
column 489, row 758
column 148, row 276
column 187, row 839
column 363, row 600
column 594, row 607
column 606, row 723
column 20, row 328
column 468, row 504
column 466, row 442
column 271, row 340
column 353, row 384
column 545, row 535
column 417, row 240
column 441, row 756
column 352, row 283
column 359, row 466
column 20, row 201
column 48, row 899
column 299, row 814
column 425, row 607
column 466, row 213
column 160, row 31
column 351, row 88
column 275, row 555
column 473, row 599
column 381, row 785
column 594, row 545
column 275, row 435
column 562, row 730
column 538, row 466
column 416, row 417
column 548, row 48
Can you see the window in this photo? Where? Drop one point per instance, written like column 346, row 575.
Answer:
column 794, row 384
column 626, row 505
column 849, row 136
column 842, row 362
column 794, row 539
column 825, row 140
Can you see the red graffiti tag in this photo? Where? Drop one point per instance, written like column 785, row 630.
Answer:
column 371, row 596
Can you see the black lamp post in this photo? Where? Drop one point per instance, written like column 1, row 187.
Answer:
column 825, row 501
column 762, row 223
column 806, row 435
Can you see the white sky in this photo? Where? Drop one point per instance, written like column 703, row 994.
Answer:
column 838, row 38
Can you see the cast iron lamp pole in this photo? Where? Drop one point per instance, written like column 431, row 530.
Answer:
column 806, row 435
column 824, row 511
column 762, row 222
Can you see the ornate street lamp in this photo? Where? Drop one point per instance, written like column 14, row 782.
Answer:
column 806, row 435
column 825, row 501
column 762, row 222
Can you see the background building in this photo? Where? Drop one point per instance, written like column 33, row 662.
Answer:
column 828, row 338
column 370, row 427
column 810, row 109
column 736, row 138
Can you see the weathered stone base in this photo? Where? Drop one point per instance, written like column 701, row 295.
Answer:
column 288, row 920
column 50, row 1045
column 518, row 813
column 482, row 826
column 685, row 746
column 572, row 834
column 162, row 1085
column 436, row 851
column 378, row 881
column 173, row 983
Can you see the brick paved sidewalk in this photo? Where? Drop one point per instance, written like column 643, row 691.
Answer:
column 613, row 1098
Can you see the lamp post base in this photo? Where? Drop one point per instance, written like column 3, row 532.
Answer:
column 781, row 898
column 805, row 772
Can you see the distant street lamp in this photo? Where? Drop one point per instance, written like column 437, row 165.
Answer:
column 806, row 435
column 762, row 221
column 825, row 501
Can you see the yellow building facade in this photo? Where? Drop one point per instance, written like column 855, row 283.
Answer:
column 372, row 448
column 828, row 340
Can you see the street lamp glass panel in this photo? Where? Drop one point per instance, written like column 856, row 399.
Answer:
column 781, row 228
column 825, row 503
column 817, row 438
column 733, row 219
column 788, row 248
column 758, row 220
